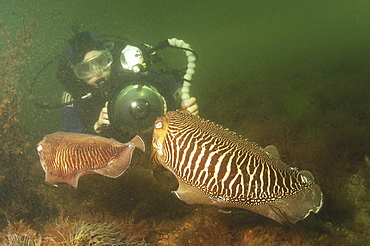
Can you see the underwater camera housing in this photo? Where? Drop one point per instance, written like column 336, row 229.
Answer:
column 135, row 108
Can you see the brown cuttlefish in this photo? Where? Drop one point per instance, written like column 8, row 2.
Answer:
column 65, row 157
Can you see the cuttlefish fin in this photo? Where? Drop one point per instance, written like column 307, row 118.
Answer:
column 138, row 142
column 273, row 151
column 184, row 110
column 119, row 164
column 224, row 211
column 191, row 194
column 292, row 208
column 71, row 180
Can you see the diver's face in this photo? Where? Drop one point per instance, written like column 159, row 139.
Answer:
column 97, row 73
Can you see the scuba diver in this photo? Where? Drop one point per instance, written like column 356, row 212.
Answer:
column 114, row 88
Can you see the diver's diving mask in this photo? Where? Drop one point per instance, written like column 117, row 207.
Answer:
column 93, row 66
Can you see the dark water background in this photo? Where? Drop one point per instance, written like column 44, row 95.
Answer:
column 290, row 73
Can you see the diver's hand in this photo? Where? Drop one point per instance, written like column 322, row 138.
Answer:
column 191, row 105
column 103, row 119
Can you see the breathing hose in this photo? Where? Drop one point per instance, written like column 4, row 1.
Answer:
column 192, row 58
column 190, row 67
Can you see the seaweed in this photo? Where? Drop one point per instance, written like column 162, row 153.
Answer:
column 20, row 234
column 19, row 200
column 79, row 232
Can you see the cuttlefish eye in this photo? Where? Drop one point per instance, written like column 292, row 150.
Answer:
column 159, row 125
column 39, row 148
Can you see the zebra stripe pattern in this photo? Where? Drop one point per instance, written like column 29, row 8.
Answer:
column 71, row 159
column 224, row 165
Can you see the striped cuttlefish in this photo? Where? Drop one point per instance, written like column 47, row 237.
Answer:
column 65, row 156
column 215, row 166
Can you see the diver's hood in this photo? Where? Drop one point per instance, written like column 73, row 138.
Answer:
column 135, row 108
